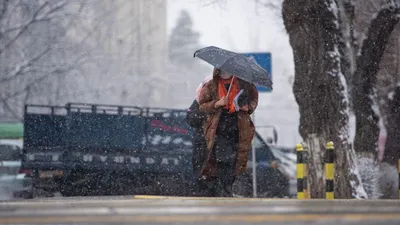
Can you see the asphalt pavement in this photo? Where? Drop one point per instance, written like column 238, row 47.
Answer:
column 200, row 211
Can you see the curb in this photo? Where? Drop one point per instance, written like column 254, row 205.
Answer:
column 206, row 198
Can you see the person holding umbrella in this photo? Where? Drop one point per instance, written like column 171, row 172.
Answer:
column 228, row 132
column 228, row 100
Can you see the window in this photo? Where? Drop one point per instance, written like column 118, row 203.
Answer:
column 9, row 153
column 263, row 151
column 257, row 142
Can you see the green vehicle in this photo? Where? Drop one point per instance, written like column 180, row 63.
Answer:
column 13, row 180
column 11, row 130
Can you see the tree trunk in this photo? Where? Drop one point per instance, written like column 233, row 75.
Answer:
column 348, row 42
column 364, row 97
column 316, row 166
column 320, row 90
column 392, row 148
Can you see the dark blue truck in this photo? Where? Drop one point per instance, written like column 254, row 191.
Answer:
column 88, row 149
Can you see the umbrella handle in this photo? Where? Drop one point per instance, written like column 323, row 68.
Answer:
column 230, row 85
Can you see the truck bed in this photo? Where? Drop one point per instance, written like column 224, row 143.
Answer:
column 105, row 137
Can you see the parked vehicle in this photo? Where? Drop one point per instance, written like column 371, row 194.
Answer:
column 88, row 149
column 13, row 182
column 287, row 164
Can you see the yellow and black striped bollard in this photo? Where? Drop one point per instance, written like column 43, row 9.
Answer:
column 329, row 171
column 305, row 176
column 300, row 171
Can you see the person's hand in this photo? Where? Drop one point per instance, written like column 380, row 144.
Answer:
column 274, row 164
column 245, row 108
column 222, row 102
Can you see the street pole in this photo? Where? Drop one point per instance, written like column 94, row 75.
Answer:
column 253, row 153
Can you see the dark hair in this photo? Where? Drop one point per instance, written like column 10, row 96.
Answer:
column 217, row 71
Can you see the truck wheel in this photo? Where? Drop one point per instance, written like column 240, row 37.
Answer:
column 24, row 194
column 66, row 191
column 29, row 195
column 41, row 192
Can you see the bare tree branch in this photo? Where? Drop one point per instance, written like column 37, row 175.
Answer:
column 41, row 78
column 23, row 29
column 3, row 9
column 29, row 55
column 21, row 68
column 56, row 8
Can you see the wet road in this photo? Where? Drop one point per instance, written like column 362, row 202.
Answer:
column 199, row 211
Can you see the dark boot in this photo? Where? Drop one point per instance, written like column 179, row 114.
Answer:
column 207, row 187
column 225, row 152
column 226, row 179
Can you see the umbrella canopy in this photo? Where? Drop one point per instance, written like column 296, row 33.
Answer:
column 244, row 67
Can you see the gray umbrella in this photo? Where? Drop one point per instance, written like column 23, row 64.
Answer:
column 237, row 64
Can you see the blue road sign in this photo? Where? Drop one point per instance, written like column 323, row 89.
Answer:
column 264, row 60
